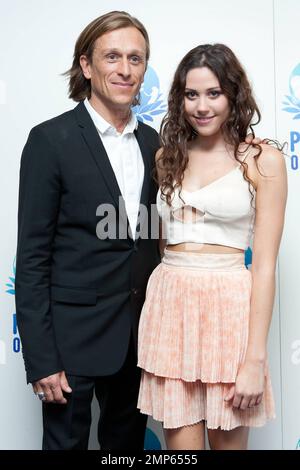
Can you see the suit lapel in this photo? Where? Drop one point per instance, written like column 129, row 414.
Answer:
column 145, row 151
column 96, row 147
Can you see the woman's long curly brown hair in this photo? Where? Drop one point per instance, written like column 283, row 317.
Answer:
column 176, row 131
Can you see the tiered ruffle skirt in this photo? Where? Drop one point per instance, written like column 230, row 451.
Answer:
column 193, row 336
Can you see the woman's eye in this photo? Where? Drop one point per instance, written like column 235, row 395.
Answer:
column 190, row 94
column 215, row 93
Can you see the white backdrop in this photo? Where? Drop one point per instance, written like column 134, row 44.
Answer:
column 36, row 45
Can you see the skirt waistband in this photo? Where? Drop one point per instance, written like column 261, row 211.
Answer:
column 204, row 261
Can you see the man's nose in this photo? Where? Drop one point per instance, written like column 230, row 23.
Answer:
column 124, row 68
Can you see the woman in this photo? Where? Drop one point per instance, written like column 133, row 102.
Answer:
column 204, row 325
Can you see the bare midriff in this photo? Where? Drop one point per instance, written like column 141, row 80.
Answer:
column 203, row 248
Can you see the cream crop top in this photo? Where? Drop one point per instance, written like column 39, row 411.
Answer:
column 220, row 213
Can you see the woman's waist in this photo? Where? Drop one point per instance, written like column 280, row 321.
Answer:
column 209, row 248
column 204, row 260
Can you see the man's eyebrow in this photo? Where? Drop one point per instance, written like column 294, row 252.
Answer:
column 115, row 50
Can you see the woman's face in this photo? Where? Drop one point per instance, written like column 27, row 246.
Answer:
column 206, row 106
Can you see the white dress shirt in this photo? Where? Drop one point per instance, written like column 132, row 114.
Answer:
column 125, row 158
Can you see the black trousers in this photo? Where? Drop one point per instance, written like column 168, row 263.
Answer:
column 121, row 425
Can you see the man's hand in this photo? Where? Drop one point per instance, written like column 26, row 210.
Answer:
column 53, row 387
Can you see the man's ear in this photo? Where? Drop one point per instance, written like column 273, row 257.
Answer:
column 85, row 66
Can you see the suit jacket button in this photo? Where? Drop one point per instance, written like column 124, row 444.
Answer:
column 134, row 291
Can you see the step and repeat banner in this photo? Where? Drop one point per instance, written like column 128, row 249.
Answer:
column 36, row 47
column 287, row 76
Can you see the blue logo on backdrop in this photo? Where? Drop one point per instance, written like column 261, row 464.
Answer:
column 11, row 284
column 151, row 441
column 292, row 105
column 292, row 101
column 248, row 257
column 151, row 101
column 16, row 343
column 298, row 445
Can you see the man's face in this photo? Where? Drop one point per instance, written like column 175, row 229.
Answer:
column 117, row 68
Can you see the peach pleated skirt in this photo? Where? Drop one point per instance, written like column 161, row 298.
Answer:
column 193, row 336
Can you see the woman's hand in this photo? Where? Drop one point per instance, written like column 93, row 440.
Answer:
column 249, row 386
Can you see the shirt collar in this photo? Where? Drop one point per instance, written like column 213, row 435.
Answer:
column 105, row 127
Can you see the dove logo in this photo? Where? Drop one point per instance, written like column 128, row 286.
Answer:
column 298, row 445
column 151, row 99
column 292, row 101
column 16, row 343
column 11, row 283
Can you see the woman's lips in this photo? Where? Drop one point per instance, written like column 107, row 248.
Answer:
column 203, row 120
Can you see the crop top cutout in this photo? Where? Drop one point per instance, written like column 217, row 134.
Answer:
column 220, row 213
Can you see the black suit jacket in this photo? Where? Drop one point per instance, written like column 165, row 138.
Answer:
column 78, row 298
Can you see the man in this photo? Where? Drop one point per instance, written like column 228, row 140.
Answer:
column 79, row 295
